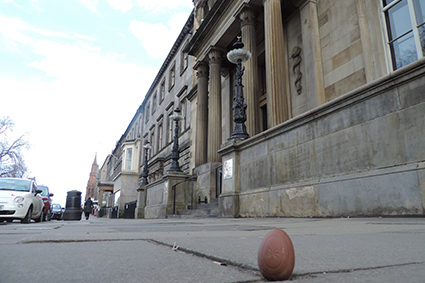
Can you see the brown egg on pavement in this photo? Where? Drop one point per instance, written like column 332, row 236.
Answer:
column 276, row 256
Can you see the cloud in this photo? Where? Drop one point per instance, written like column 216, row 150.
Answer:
column 152, row 36
column 83, row 109
column 147, row 5
column 13, row 30
column 89, row 4
column 75, row 58
column 123, row 5
column 11, row 2
column 163, row 4
column 157, row 39
column 9, row 28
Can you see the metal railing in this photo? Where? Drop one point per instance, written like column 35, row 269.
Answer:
column 218, row 178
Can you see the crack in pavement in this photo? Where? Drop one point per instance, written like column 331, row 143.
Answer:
column 215, row 259
column 312, row 274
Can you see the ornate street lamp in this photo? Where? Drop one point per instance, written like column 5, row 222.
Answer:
column 175, row 152
column 238, row 56
column 145, row 171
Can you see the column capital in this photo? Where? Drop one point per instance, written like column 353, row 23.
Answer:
column 215, row 55
column 247, row 16
column 201, row 69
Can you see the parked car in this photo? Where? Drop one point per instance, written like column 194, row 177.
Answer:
column 20, row 199
column 46, row 195
column 57, row 211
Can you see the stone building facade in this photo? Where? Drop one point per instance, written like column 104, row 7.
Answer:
column 335, row 110
column 343, row 114
column 153, row 123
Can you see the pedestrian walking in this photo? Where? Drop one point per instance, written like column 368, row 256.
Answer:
column 88, row 206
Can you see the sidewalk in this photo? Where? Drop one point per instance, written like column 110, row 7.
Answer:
column 326, row 250
column 225, row 250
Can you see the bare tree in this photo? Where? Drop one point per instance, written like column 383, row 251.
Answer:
column 12, row 163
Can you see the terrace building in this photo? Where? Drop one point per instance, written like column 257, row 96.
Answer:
column 335, row 105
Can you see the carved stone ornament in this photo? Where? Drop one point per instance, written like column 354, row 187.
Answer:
column 296, row 51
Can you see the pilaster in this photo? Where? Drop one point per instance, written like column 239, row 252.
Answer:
column 368, row 13
column 312, row 51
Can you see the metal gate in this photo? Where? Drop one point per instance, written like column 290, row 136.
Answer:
column 129, row 209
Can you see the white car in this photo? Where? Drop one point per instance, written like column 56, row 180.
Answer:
column 20, row 199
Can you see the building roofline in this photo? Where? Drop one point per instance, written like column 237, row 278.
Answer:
column 187, row 28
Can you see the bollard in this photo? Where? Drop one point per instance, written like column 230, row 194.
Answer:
column 73, row 206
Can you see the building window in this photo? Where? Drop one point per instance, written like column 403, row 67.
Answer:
column 162, row 92
column 184, row 62
column 154, row 103
column 159, row 137
column 182, row 125
column 405, row 22
column 147, row 113
column 170, row 128
column 129, row 159
column 151, row 152
column 172, row 76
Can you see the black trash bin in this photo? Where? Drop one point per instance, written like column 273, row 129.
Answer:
column 73, row 206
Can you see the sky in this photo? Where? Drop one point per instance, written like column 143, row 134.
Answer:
column 73, row 74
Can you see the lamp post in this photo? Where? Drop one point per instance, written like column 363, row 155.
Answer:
column 238, row 56
column 175, row 152
column 145, row 171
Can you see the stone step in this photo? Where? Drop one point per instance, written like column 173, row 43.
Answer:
column 204, row 206
column 190, row 216
column 199, row 211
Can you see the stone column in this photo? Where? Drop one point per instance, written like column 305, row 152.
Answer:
column 277, row 109
column 201, row 114
column 312, row 52
column 250, row 78
column 214, row 113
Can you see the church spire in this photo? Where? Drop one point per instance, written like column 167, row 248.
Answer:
column 95, row 159
column 92, row 180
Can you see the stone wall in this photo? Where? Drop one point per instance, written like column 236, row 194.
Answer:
column 359, row 154
column 160, row 195
column 129, row 184
column 156, row 200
